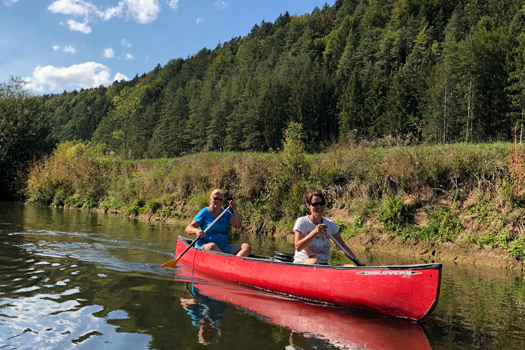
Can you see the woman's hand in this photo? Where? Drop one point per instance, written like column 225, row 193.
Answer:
column 235, row 221
column 302, row 241
column 200, row 234
column 233, row 205
column 194, row 229
column 321, row 228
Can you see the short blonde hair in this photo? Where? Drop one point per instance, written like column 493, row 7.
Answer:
column 216, row 191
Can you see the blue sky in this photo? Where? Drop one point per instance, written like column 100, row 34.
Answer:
column 59, row 45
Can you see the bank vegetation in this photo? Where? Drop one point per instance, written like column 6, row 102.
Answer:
column 458, row 200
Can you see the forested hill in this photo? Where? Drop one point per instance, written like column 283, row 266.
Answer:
column 427, row 70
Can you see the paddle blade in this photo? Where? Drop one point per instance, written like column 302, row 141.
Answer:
column 171, row 263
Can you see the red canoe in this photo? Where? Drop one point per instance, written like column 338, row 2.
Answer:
column 355, row 330
column 406, row 291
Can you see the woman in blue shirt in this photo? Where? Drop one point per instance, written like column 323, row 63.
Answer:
column 217, row 236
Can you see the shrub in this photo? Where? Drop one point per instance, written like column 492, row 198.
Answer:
column 395, row 214
column 443, row 226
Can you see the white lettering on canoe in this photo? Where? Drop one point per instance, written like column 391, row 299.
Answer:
column 402, row 273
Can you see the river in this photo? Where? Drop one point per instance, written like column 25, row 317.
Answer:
column 85, row 280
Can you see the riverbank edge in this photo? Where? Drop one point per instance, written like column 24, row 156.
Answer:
column 461, row 251
column 461, row 201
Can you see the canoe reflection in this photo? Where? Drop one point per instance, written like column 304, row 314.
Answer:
column 308, row 322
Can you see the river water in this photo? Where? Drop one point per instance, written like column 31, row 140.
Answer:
column 84, row 280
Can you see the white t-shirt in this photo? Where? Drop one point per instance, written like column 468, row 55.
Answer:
column 319, row 247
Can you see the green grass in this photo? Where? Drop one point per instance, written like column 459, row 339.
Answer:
column 371, row 185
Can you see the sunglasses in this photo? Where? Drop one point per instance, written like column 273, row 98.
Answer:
column 316, row 204
column 218, row 199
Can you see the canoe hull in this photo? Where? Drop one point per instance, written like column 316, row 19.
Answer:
column 409, row 291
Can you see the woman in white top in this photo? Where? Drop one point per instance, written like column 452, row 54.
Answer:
column 312, row 240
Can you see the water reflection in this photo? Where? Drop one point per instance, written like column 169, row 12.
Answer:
column 52, row 307
column 480, row 307
column 66, row 284
column 206, row 313
column 53, row 293
column 83, row 280
column 310, row 324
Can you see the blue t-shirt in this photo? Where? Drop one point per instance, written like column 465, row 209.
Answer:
column 218, row 233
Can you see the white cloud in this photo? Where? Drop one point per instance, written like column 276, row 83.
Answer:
column 71, row 7
column 111, row 12
column 80, row 8
column 174, row 4
column 84, row 75
column 142, row 11
column 108, row 53
column 80, row 27
column 221, row 4
column 70, row 49
column 120, row 76
column 10, row 2
column 129, row 56
column 124, row 42
column 199, row 20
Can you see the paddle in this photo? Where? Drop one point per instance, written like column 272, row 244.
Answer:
column 347, row 253
column 173, row 262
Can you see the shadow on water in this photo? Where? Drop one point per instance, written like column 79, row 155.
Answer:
column 78, row 279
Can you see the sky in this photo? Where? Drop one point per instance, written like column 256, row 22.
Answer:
column 58, row 45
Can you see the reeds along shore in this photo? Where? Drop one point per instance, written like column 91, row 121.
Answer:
column 463, row 193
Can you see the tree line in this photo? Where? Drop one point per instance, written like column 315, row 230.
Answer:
column 438, row 71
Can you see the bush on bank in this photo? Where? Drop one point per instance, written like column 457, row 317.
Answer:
column 419, row 193
column 24, row 135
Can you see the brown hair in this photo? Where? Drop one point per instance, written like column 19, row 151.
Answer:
column 312, row 194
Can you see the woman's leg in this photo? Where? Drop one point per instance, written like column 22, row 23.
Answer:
column 243, row 249
column 211, row 246
column 310, row 261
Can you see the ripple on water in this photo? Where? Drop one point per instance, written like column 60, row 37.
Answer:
column 62, row 282
column 26, row 290
column 50, row 322
column 46, row 323
column 71, row 291
column 117, row 315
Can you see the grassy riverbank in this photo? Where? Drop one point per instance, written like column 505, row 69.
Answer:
column 458, row 201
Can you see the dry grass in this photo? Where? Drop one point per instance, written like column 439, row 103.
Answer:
column 270, row 187
column 366, row 173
